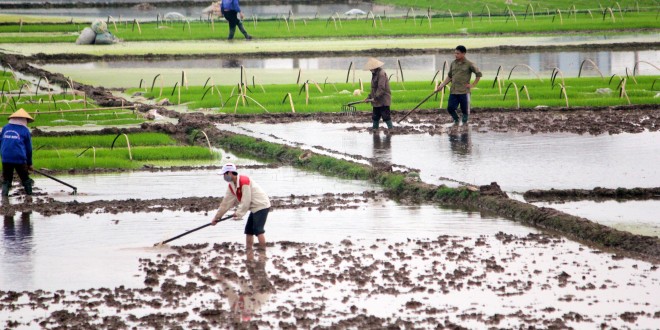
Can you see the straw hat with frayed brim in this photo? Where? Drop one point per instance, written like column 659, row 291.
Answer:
column 21, row 114
column 373, row 64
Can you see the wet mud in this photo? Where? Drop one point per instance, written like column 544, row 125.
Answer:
column 597, row 193
column 47, row 206
column 447, row 282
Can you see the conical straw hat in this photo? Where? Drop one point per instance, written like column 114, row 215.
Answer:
column 373, row 63
column 21, row 114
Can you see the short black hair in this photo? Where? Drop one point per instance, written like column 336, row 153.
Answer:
column 461, row 49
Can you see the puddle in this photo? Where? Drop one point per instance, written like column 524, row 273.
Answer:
column 637, row 217
column 40, row 252
column 282, row 181
column 284, row 70
column 516, row 161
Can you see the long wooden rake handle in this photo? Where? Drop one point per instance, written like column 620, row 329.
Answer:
column 417, row 106
column 190, row 231
column 75, row 190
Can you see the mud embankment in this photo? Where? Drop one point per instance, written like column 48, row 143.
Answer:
column 597, row 193
column 50, row 207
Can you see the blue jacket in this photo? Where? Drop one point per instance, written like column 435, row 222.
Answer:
column 16, row 144
column 230, row 5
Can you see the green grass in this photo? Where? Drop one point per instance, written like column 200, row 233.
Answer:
column 75, row 152
column 40, row 105
column 405, row 96
column 104, row 141
column 322, row 28
column 519, row 6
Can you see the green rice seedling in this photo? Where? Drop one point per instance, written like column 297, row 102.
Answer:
column 515, row 87
column 593, row 64
column 104, row 140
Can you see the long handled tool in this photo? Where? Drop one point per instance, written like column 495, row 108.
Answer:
column 349, row 108
column 417, row 106
column 75, row 190
column 190, row 231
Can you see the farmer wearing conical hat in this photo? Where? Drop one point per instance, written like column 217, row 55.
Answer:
column 16, row 151
column 380, row 96
column 248, row 196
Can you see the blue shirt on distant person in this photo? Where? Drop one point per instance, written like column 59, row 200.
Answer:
column 230, row 5
column 16, row 144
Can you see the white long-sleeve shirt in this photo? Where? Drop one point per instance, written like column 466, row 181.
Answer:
column 253, row 199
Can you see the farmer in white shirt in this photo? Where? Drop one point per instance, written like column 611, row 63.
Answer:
column 249, row 197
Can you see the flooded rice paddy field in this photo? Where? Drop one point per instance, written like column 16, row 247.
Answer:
column 517, row 161
column 448, row 280
column 284, row 70
column 341, row 253
column 637, row 217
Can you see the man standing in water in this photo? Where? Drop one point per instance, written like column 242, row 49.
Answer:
column 248, row 196
column 231, row 10
column 460, row 73
column 380, row 96
column 16, row 151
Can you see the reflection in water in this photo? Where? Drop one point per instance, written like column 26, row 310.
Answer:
column 382, row 153
column 608, row 62
column 460, row 143
column 17, row 248
column 247, row 296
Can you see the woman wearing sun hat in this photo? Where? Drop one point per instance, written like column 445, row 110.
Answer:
column 380, row 96
column 16, row 151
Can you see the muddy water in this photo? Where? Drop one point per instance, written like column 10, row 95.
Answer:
column 517, row 161
column 281, row 181
column 198, row 11
column 637, row 217
column 415, row 68
column 40, row 252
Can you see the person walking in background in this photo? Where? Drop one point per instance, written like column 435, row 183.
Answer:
column 460, row 73
column 248, row 196
column 380, row 95
column 231, row 10
column 16, row 151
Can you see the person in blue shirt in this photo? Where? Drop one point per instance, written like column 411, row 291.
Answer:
column 231, row 10
column 16, row 151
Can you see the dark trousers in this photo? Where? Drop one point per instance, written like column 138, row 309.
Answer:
column 256, row 222
column 8, row 172
column 379, row 112
column 454, row 101
column 232, row 17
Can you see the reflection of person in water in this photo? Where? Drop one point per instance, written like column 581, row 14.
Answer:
column 17, row 250
column 382, row 150
column 246, row 297
column 460, row 143
column 18, row 240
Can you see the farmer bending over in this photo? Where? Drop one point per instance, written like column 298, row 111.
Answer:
column 459, row 75
column 248, row 196
column 16, row 151
column 380, row 96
